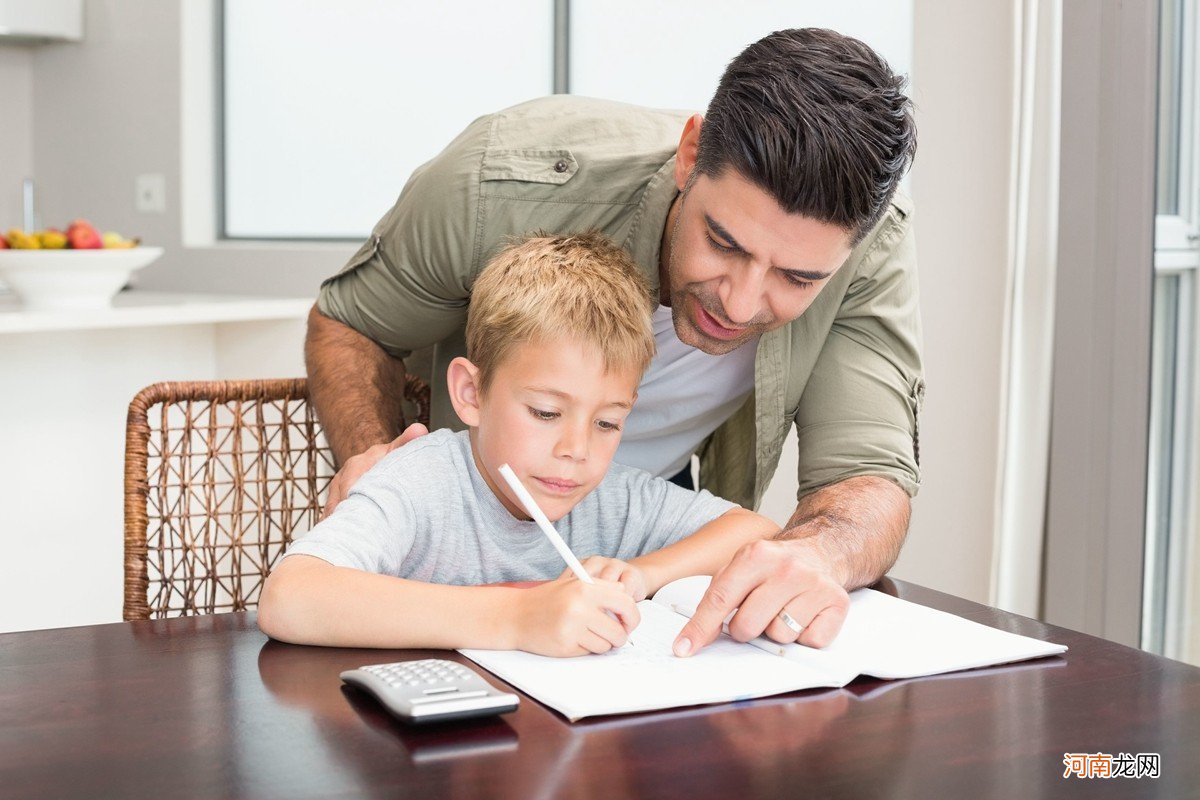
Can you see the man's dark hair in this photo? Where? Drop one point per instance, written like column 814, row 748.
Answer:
column 818, row 120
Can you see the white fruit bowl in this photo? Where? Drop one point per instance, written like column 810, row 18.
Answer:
column 55, row 280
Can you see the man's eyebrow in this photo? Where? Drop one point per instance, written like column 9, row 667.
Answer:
column 799, row 274
column 724, row 234
column 566, row 396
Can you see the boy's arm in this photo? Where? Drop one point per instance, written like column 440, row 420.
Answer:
column 706, row 551
column 309, row 601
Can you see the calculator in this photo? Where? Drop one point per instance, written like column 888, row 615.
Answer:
column 431, row 690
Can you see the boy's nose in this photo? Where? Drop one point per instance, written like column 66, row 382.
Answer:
column 572, row 443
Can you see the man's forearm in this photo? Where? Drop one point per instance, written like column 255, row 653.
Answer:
column 856, row 527
column 354, row 385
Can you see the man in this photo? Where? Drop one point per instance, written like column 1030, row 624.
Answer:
column 783, row 259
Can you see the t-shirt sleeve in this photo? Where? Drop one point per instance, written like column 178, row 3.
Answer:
column 859, row 411
column 407, row 287
column 372, row 530
column 662, row 513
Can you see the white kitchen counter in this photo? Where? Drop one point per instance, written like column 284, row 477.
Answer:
column 66, row 379
column 135, row 309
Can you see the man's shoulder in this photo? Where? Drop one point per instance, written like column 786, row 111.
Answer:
column 573, row 120
column 896, row 219
column 882, row 246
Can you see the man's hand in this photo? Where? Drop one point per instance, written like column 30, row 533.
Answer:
column 568, row 617
column 764, row 578
column 357, row 466
column 842, row 536
column 613, row 569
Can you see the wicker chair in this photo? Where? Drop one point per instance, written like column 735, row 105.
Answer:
column 219, row 477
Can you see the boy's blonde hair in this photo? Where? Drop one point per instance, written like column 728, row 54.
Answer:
column 543, row 288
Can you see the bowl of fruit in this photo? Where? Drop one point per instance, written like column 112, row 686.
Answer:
column 73, row 269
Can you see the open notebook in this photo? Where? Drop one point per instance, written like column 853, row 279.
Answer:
column 883, row 636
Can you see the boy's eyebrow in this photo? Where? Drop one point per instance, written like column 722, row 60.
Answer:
column 565, row 396
column 802, row 274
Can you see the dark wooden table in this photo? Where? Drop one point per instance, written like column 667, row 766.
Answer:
column 208, row 707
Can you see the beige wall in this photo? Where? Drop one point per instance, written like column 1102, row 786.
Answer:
column 109, row 109
column 963, row 70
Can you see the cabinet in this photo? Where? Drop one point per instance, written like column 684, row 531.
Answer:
column 32, row 21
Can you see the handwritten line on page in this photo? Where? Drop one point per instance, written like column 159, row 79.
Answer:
column 883, row 636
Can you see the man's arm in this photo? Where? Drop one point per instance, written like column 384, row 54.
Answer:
column 355, row 386
column 854, row 527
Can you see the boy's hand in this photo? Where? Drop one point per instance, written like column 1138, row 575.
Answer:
column 613, row 569
column 568, row 617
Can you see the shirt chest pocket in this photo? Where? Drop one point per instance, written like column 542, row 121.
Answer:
column 553, row 166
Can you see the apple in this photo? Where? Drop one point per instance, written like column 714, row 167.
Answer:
column 83, row 236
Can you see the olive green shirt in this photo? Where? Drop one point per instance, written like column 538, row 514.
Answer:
column 847, row 373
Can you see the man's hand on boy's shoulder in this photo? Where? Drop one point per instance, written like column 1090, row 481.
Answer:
column 357, row 466
column 763, row 579
column 632, row 578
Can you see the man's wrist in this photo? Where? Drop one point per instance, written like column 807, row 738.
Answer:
column 805, row 542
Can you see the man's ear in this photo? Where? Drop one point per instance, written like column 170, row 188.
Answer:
column 689, row 145
column 462, row 382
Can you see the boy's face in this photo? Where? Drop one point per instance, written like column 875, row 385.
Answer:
column 554, row 415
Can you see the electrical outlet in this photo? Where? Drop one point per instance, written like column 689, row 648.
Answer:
column 150, row 191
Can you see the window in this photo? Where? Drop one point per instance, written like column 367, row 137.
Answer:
column 1171, row 593
column 328, row 107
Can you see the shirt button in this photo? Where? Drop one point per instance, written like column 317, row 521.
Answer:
column 560, row 166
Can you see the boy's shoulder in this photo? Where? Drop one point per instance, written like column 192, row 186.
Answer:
column 626, row 481
column 429, row 456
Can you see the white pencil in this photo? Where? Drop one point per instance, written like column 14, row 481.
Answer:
column 535, row 511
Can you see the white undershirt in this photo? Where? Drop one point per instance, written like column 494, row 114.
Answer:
column 685, row 395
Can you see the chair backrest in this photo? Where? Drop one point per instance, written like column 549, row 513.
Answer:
column 220, row 476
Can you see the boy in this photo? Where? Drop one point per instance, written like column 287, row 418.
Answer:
column 558, row 337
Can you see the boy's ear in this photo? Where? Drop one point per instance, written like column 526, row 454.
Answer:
column 462, row 382
column 689, row 145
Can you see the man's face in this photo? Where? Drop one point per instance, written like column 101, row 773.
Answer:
column 739, row 265
column 554, row 415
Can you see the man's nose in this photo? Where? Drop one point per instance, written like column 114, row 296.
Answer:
column 743, row 295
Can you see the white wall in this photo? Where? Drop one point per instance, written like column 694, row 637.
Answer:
column 109, row 109
column 16, row 130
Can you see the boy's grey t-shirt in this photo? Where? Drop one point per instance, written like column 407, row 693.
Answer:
column 424, row 512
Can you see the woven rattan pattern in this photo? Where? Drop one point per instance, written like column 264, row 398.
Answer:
column 220, row 476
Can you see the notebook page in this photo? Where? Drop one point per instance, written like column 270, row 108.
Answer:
column 648, row 675
column 886, row 637
column 893, row 638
